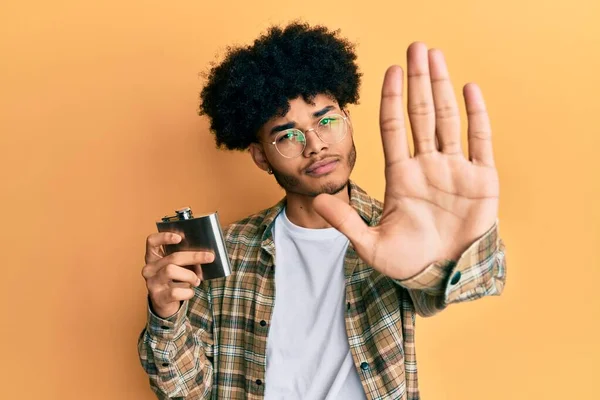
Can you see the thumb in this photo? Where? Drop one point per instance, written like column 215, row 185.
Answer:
column 344, row 218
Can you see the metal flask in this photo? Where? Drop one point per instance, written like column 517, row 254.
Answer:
column 198, row 234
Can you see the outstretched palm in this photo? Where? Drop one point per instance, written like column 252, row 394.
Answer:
column 436, row 202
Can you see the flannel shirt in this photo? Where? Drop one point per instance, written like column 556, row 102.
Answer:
column 214, row 347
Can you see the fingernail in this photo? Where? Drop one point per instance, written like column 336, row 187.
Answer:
column 176, row 238
column 198, row 282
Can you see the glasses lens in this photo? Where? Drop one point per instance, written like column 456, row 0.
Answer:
column 290, row 143
column 332, row 128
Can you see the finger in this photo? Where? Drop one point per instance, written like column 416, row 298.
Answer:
column 180, row 258
column 184, row 258
column 171, row 295
column 176, row 273
column 184, row 285
column 479, row 131
column 345, row 219
column 420, row 99
column 148, row 271
column 198, row 271
column 391, row 117
column 447, row 116
column 154, row 243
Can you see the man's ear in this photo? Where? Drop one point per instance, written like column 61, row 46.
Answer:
column 258, row 155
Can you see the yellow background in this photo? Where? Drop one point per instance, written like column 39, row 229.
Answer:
column 100, row 137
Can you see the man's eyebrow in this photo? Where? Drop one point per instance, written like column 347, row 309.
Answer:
column 323, row 111
column 283, row 127
column 291, row 125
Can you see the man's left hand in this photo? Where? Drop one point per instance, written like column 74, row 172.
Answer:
column 437, row 202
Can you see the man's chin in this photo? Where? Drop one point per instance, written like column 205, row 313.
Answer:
column 311, row 186
column 329, row 187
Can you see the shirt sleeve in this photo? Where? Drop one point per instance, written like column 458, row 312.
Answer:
column 480, row 271
column 176, row 352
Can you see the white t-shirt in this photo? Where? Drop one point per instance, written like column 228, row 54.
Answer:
column 308, row 356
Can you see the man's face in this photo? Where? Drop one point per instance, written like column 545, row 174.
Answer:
column 301, row 175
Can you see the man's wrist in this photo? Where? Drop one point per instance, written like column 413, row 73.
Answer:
column 166, row 328
column 164, row 312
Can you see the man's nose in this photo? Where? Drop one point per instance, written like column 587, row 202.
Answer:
column 314, row 144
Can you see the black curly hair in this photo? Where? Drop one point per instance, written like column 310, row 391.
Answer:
column 255, row 83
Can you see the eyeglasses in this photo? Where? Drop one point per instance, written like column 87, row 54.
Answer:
column 292, row 142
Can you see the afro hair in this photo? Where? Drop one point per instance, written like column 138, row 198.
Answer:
column 255, row 83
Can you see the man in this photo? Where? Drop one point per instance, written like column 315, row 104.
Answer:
column 325, row 286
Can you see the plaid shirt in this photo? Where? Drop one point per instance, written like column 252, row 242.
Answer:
column 215, row 346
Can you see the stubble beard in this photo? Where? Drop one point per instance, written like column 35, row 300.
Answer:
column 292, row 184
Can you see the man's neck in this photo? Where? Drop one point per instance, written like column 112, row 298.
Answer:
column 300, row 211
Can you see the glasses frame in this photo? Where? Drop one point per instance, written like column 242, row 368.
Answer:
column 344, row 118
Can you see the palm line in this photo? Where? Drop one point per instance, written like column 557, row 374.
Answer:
column 429, row 183
column 431, row 202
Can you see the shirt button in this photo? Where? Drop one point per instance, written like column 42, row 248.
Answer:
column 364, row 366
column 258, row 382
column 165, row 364
column 263, row 323
column 455, row 278
column 348, row 306
column 164, row 327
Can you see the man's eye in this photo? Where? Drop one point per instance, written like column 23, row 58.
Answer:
column 286, row 137
column 326, row 121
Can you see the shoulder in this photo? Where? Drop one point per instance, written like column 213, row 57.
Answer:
column 252, row 227
column 369, row 208
column 248, row 226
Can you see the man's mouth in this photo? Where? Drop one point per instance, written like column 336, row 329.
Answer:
column 322, row 167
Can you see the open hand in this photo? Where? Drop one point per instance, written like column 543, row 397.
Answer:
column 437, row 202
